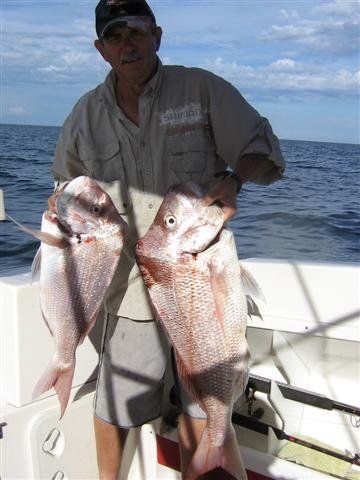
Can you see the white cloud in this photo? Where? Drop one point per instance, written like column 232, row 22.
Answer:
column 282, row 64
column 288, row 15
column 49, row 51
column 346, row 8
column 76, row 59
column 16, row 110
column 286, row 76
column 332, row 27
column 63, row 53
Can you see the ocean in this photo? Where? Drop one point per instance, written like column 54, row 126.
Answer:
column 311, row 215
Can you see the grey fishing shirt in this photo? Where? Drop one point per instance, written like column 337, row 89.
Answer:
column 192, row 125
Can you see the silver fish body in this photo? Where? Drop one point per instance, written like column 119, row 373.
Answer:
column 82, row 238
column 191, row 269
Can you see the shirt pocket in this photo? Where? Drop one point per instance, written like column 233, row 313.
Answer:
column 105, row 164
column 192, row 157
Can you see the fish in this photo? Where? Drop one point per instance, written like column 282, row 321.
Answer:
column 82, row 236
column 198, row 291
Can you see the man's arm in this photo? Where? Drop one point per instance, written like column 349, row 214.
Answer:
column 244, row 141
column 250, row 168
column 67, row 164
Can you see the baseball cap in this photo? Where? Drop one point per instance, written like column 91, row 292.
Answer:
column 135, row 13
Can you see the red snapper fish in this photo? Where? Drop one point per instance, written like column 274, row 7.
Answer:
column 82, row 238
column 190, row 266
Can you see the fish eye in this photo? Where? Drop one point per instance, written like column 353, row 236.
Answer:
column 95, row 209
column 170, row 221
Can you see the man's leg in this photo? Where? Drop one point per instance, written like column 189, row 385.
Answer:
column 190, row 431
column 110, row 444
column 129, row 388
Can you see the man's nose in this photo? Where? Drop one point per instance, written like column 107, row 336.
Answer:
column 127, row 42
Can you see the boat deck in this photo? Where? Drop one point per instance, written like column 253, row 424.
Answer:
column 309, row 339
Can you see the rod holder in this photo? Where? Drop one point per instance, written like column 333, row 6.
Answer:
column 2, row 206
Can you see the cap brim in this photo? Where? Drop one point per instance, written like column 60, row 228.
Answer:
column 141, row 23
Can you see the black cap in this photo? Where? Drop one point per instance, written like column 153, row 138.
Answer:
column 111, row 12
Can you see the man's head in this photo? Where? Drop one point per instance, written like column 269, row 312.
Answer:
column 109, row 13
column 128, row 37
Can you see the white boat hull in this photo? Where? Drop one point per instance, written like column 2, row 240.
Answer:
column 309, row 338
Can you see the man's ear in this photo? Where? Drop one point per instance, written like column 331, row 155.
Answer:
column 158, row 35
column 99, row 45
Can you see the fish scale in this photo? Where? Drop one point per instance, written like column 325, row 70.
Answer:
column 81, row 237
column 191, row 269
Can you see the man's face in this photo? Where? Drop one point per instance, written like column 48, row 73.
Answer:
column 131, row 51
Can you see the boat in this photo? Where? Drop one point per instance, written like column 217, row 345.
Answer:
column 301, row 419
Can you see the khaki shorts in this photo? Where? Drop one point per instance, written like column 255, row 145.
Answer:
column 135, row 355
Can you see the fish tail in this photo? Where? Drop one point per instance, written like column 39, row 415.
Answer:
column 58, row 378
column 226, row 457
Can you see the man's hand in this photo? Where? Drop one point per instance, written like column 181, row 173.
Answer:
column 251, row 168
column 223, row 193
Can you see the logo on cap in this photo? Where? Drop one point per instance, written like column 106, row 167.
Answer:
column 113, row 3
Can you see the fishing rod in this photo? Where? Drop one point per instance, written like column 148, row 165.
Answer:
column 263, row 384
column 252, row 423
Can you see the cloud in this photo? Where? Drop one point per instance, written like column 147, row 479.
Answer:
column 345, row 8
column 34, row 52
column 16, row 110
column 282, row 64
column 332, row 28
column 285, row 76
column 240, row 47
column 285, row 14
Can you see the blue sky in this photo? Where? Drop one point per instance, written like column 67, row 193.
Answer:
column 296, row 62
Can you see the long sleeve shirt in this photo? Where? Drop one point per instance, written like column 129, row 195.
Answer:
column 192, row 125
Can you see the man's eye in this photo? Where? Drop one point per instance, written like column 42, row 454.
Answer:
column 114, row 39
column 135, row 35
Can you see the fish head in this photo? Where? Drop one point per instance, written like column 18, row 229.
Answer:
column 82, row 207
column 183, row 224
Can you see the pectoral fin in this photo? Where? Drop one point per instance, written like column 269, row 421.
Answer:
column 35, row 266
column 52, row 240
column 250, row 284
column 253, row 309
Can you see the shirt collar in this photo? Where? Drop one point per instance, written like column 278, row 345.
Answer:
column 153, row 86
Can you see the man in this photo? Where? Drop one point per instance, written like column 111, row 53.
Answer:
column 145, row 128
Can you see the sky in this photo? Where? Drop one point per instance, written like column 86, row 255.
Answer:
column 296, row 62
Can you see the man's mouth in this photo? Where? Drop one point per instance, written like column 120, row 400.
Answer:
column 127, row 62
column 131, row 58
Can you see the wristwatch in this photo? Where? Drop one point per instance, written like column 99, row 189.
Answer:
column 229, row 174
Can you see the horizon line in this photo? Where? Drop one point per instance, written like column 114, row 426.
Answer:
column 281, row 139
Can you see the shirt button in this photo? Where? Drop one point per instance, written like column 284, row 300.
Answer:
column 142, row 144
column 150, row 205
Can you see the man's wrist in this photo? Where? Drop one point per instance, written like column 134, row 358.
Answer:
column 228, row 174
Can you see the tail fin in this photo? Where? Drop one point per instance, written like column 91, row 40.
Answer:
column 58, row 378
column 207, row 458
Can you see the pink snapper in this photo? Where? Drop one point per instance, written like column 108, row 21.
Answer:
column 198, row 291
column 82, row 238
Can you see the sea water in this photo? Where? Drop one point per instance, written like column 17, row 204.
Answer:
column 312, row 214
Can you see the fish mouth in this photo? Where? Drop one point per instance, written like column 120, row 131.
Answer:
column 214, row 243
column 216, row 239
